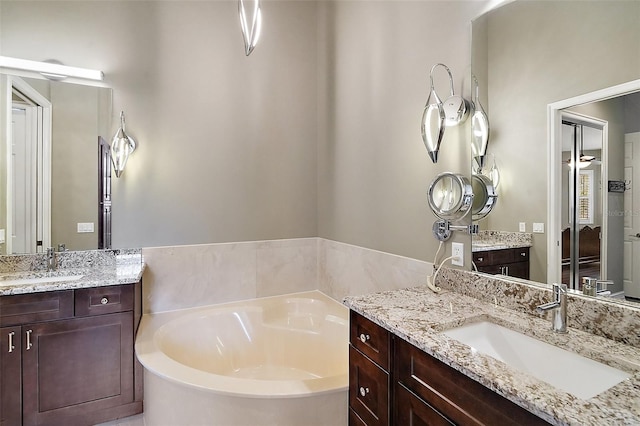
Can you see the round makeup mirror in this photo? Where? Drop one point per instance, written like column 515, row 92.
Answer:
column 484, row 196
column 450, row 196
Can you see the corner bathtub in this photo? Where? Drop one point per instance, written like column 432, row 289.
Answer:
column 279, row 360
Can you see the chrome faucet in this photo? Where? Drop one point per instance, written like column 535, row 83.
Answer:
column 559, row 308
column 51, row 259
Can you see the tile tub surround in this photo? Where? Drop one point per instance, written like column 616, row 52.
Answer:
column 419, row 316
column 180, row 277
column 498, row 240
column 98, row 268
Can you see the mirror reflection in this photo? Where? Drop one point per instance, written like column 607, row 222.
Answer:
column 50, row 193
column 589, row 232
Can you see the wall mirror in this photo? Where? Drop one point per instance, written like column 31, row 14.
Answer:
column 50, row 190
column 583, row 67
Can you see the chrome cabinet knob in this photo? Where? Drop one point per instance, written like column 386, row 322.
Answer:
column 363, row 391
column 364, row 337
column 104, row 301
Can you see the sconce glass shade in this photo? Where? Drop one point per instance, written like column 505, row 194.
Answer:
column 494, row 174
column 479, row 131
column 250, row 24
column 433, row 126
column 122, row 145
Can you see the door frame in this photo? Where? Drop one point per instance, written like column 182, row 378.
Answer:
column 554, row 166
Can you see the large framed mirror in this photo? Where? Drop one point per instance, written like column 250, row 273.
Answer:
column 50, row 193
column 537, row 56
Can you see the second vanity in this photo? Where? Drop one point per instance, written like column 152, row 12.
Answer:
column 405, row 370
column 67, row 340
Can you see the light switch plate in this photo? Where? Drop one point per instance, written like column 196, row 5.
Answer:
column 538, row 228
column 522, row 227
column 85, row 227
column 1, row 236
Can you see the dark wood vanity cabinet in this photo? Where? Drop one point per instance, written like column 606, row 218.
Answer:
column 369, row 372
column 71, row 360
column 417, row 388
column 513, row 262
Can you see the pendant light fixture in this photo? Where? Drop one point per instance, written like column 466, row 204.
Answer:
column 250, row 24
column 122, row 145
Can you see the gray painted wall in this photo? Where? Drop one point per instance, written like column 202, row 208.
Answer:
column 315, row 134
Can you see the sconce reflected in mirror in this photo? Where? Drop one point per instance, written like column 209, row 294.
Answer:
column 250, row 24
column 479, row 129
column 122, row 145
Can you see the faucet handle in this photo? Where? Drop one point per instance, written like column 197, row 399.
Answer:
column 602, row 285
column 558, row 290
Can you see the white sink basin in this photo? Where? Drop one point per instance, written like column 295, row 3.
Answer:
column 39, row 280
column 573, row 373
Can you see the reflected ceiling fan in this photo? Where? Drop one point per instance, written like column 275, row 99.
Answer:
column 585, row 160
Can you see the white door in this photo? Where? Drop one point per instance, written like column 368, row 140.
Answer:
column 24, row 141
column 632, row 215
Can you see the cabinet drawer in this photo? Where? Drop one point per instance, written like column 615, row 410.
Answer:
column 35, row 307
column 456, row 396
column 481, row 258
column 368, row 389
column 104, row 300
column 501, row 256
column 521, row 254
column 370, row 339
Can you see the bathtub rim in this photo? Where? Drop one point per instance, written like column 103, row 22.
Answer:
column 158, row 363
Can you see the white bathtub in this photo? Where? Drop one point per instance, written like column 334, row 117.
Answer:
column 279, row 360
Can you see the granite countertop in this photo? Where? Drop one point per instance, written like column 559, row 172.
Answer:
column 419, row 316
column 478, row 247
column 96, row 269
column 500, row 240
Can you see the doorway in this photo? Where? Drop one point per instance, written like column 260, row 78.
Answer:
column 26, row 167
column 584, row 224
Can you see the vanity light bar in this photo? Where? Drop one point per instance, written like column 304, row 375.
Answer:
column 50, row 68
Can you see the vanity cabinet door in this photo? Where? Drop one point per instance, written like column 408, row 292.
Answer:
column 76, row 369
column 10, row 376
column 411, row 410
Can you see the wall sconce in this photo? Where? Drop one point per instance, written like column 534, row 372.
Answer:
column 479, row 130
column 122, row 145
column 453, row 111
column 50, row 68
column 250, row 33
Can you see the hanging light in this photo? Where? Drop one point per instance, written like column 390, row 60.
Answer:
column 250, row 30
column 122, row 145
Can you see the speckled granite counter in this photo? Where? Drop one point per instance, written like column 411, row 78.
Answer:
column 97, row 268
column 499, row 240
column 419, row 316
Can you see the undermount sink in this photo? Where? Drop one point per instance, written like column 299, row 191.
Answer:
column 573, row 373
column 38, row 280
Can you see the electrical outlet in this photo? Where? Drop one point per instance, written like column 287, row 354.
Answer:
column 457, row 250
column 522, row 227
